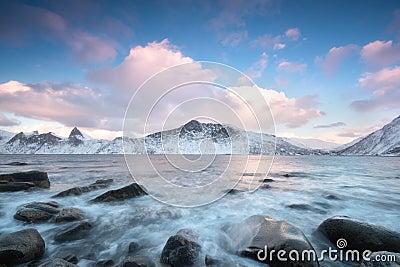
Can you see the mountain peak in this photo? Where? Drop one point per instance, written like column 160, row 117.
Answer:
column 75, row 132
column 192, row 125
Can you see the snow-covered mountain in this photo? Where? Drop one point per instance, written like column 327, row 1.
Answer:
column 383, row 142
column 192, row 138
column 312, row 143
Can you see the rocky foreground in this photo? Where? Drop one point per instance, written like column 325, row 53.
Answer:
column 247, row 238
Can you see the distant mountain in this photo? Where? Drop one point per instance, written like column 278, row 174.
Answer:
column 192, row 138
column 383, row 142
column 312, row 143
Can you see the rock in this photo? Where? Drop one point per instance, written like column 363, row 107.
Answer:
column 250, row 237
column 360, row 235
column 137, row 261
column 15, row 186
column 69, row 214
column 104, row 263
column 40, row 179
column 72, row 258
column 36, row 211
column 234, row 191
column 382, row 259
column 130, row 191
column 181, row 249
column 74, row 232
column 16, row 163
column 76, row 191
column 211, row 261
column 57, row 263
column 267, row 180
column 133, row 247
column 21, row 247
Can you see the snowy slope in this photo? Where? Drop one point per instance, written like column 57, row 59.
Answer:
column 5, row 137
column 384, row 142
column 312, row 143
column 192, row 138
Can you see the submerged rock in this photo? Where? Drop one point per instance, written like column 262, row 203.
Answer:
column 57, row 263
column 138, row 261
column 69, row 214
column 36, row 211
column 360, row 235
column 76, row 191
column 250, row 237
column 130, row 191
column 181, row 249
column 382, row 259
column 16, row 163
column 21, row 247
column 76, row 231
column 23, row 181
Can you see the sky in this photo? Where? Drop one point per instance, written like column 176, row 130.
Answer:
column 328, row 69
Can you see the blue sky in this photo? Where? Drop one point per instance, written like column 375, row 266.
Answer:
column 329, row 68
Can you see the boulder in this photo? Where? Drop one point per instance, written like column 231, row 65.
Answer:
column 57, row 263
column 15, row 186
column 39, row 179
column 104, row 263
column 16, row 163
column 76, row 191
column 138, row 261
column 251, row 237
column 181, row 249
column 75, row 231
column 133, row 247
column 21, row 247
column 360, row 235
column 127, row 192
column 69, row 214
column 36, row 211
column 72, row 258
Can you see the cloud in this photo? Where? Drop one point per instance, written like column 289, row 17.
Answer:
column 380, row 53
column 331, row 125
column 292, row 66
column 335, row 56
column 234, row 38
column 394, row 27
column 385, row 88
column 258, row 67
column 4, row 121
column 293, row 34
column 268, row 41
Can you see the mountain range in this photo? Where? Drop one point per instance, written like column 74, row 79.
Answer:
column 196, row 138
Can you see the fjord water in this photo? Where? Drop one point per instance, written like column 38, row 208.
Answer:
column 305, row 191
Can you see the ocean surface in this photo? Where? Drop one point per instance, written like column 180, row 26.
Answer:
column 305, row 191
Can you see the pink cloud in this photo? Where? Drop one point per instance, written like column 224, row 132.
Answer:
column 258, row 67
column 234, row 38
column 394, row 27
column 380, row 53
column 293, row 34
column 292, row 66
column 4, row 121
column 385, row 88
column 268, row 41
column 335, row 56
column 88, row 48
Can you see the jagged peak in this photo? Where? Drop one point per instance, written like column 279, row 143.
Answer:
column 75, row 132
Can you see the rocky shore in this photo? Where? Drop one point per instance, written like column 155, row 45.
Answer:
column 247, row 238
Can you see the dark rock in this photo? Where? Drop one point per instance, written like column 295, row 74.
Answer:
column 211, row 261
column 265, row 186
column 15, row 186
column 267, row 180
column 382, row 259
column 57, row 263
column 77, row 191
column 72, row 258
column 137, row 261
column 16, row 163
column 36, row 212
column 181, row 249
column 40, row 179
column 331, row 197
column 133, row 247
column 21, row 247
column 286, row 175
column 76, row 231
column 360, row 235
column 69, row 214
column 130, row 191
column 250, row 238
column 234, row 191
column 104, row 263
